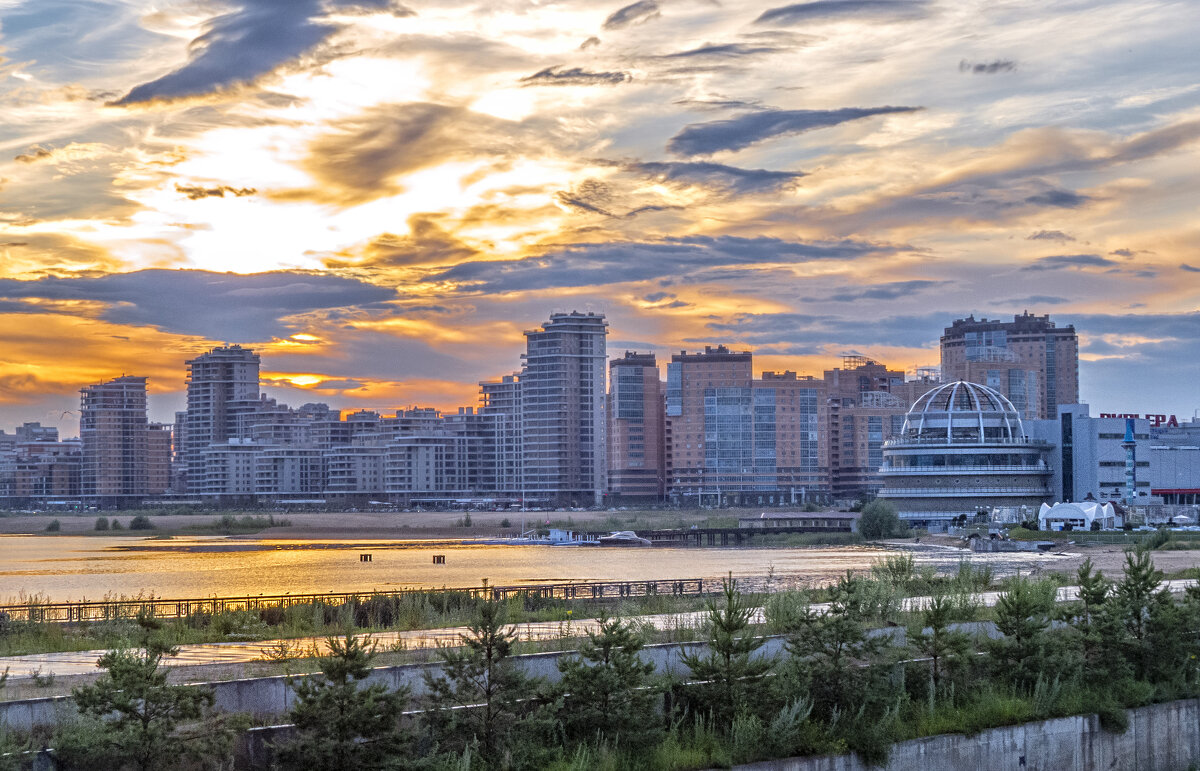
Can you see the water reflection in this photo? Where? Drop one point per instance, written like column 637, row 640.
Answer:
column 65, row 568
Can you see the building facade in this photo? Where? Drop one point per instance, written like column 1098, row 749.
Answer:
column 636, row 452
column 116, row 444
column 563, row 416
column 734, row 440
column 222, row 393
column 1003, row 353
column 963, row 449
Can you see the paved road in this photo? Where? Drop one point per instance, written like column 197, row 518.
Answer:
column 84, row 662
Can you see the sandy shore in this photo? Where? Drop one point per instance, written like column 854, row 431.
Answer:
column 427, row 524
column 1108, row 558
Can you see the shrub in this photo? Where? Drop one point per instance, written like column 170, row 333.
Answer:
column 880, row 520
column 141, row 522
column 54, row 526
column 101, row 523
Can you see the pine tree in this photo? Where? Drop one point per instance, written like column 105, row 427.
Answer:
column 342, row 724
column 605, row 691
column 1022, row 616
column 480, row 676
column 944, row 647
column 729, row 670
column 133, row 718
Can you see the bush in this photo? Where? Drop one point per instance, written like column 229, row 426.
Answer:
column 880, row 520
column 141, row 522
column 101, row 523
column 116, row 525
column 54, row 526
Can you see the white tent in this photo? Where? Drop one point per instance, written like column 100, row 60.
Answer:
column 1079, row 515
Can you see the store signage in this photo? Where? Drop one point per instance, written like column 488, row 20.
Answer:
column 1168, row 421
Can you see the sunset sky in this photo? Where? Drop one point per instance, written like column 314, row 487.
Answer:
column 380, row 197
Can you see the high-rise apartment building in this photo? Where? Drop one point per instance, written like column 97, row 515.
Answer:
column 222, row 393
column 737, row 440
column 563, row 421
column 636, row 451
column 1004, row 354
column 500, row 401
column 115, row 437
column 866, row 404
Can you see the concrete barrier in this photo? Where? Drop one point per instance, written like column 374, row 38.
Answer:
column 1160, row 737
column 270, row 697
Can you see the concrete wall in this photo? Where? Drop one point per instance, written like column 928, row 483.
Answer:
column 1161, row 737
column 268, row 697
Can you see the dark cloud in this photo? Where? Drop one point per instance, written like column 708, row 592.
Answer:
column 34, row 155
column 253, row 40
column 575, row 76
column 833, row 10
column 806, row 332
column 745, row 130
column 727, row 49
column 1189, row 268
column 636, row 13
column 218, row 306
column 240, row 46
column 361, row 157
column 1036, row 299
column 1059, row 261
column 1049, row 235
column 890, row 291
column 1126, row 253
column 987, row 68
column 1064, row 199
column 688, row 258
column 196, row 192
column 717, row 175
column 427, row 243
column 589, row 43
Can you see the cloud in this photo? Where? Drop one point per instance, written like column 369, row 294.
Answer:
column 1059, row 261
column 1036, row 299
column 360, row 158
column 1064, row 199
column 987, row 68
column 575, row 76
column 196, row 192
column 217, row 306
column 589, row 43
column 239, row 47
column 745, row 130
column 636, row 13
column 724, row 50
column 34, row 155
column 717, row 175
column 679, row 258
column 427, row 243
column 1189, row 268
column 834, row 10
column 805, row 334
column 1049, row 235
column 889, row 291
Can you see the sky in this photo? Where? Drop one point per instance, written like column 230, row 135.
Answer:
column 380, row 197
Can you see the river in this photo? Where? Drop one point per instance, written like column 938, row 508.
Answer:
column 71, row 568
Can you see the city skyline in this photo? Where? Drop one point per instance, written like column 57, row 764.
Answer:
column 166, row 405
column 380, row 198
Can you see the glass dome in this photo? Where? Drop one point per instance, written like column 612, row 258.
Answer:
column 962, row 412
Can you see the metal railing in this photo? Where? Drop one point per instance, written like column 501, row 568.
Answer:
column 164, row 608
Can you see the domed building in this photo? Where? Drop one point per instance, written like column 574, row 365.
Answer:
column 962, row 450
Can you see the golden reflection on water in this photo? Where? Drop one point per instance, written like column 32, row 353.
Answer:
column 78, row 567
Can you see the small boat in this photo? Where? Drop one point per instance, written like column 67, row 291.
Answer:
column 623, row 538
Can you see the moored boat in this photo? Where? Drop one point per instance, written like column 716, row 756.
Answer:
column 622, row 538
